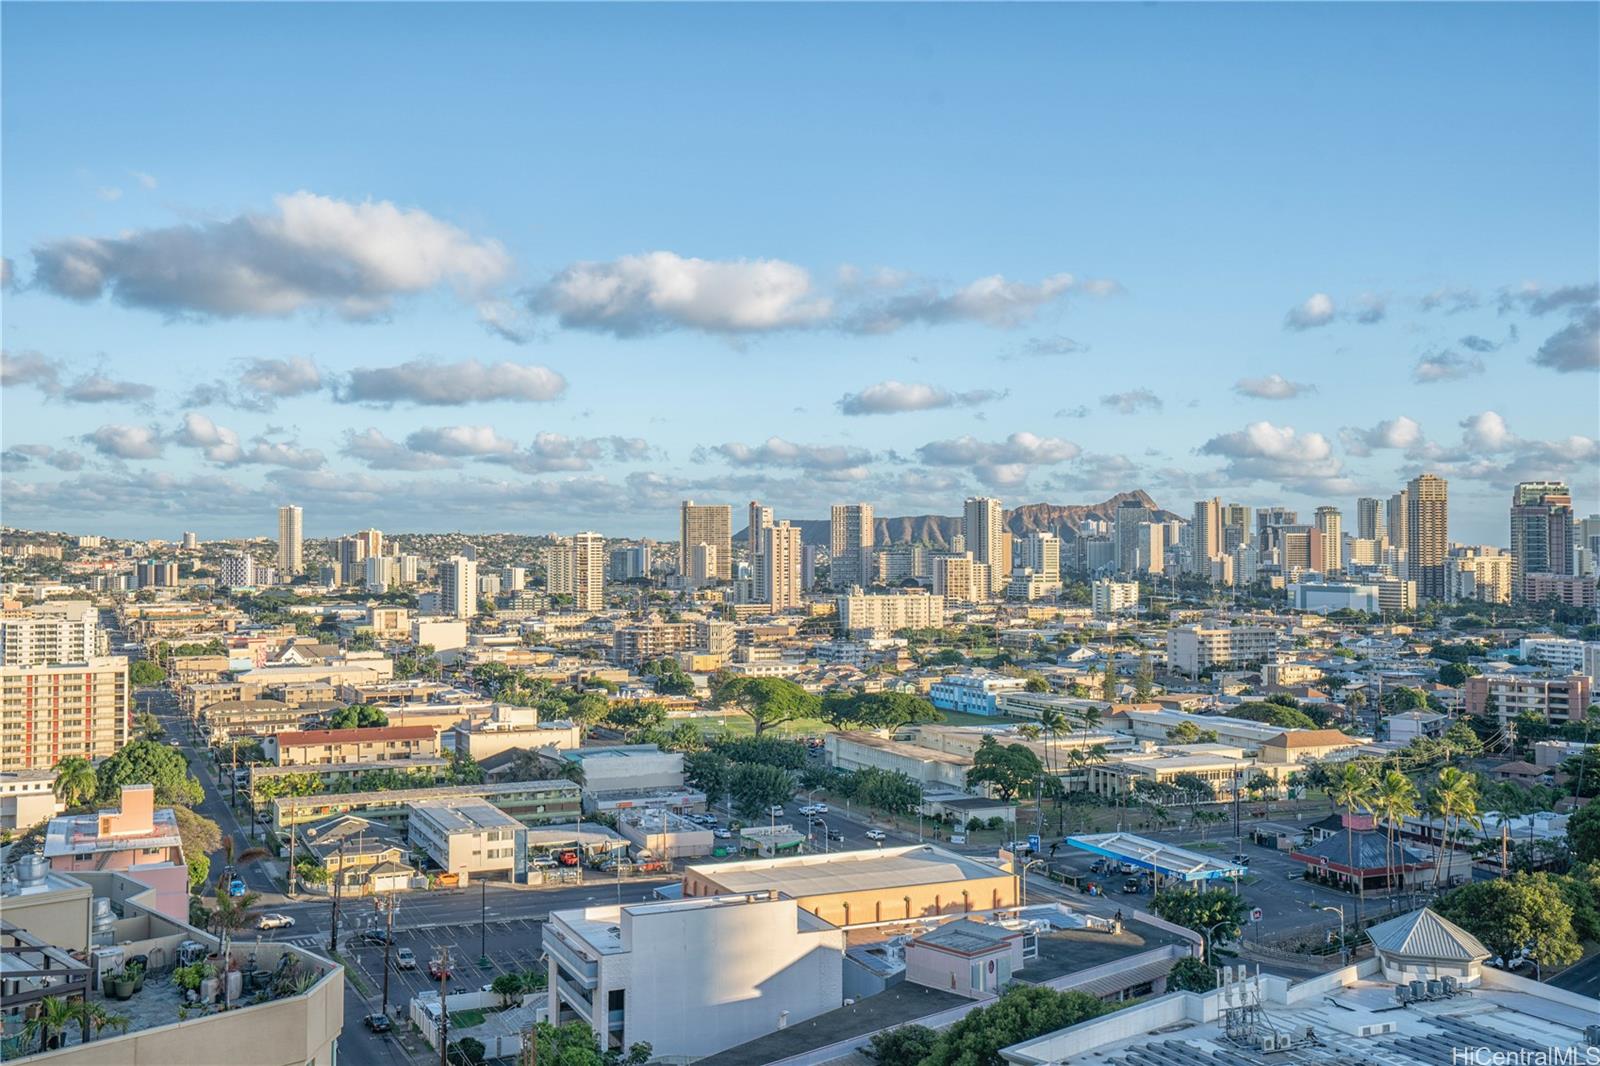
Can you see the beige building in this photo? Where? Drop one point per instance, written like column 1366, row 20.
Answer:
column 711, row 525
column 389, row 623
column 1555, row 700
column 291, row 558
column 464, row 836
column 961, row 578
column 332, row 747
column 27, row 799
column 1484, row 574
column 48, row 713
column 509, row 727
column 851, row 535
column 1296, row 746
column 1193, row 649
column 863, row 614
column 983, row 527
column 589, row 572
column 852, row 751
column 52, row 632
column 863, row 887
column 780, row 566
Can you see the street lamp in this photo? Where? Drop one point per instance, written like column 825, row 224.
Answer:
column 1022, row 883
column 1210, row 942
column 1344, row 947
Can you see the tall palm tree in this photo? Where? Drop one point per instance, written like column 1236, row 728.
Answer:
column 1052, row 722
column 1350, row 788
column 233, row 915
column 1455, row 800
column 76, row 781
column 1090, row 719
column 55, row 1013
column 1395, row 799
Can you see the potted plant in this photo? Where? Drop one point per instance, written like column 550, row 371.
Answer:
column 135, row 971
column 121, row 984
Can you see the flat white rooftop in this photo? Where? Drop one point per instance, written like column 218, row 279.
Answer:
column 848, row 871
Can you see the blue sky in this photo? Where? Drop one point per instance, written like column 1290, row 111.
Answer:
column 548, row 268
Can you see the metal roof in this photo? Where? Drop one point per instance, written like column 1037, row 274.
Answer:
column 1148, row 854
column 1425, row 934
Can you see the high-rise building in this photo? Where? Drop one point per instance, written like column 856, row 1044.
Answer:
column 1131, row 515
column 1541, row 531
column 1483, row 573
column 560, row 568
column 1041, row 553
column 291, row 558
column 964, row 579
column 237, row 570
column 191, row 541
column 458, row 587
column 589, row 571
column 351, row 560
column 154, row 573
column 983, row 525
column 53, row 711
column 1235, row 526
column 379, row 573
column 1269, row 519
column 1397, row 526
column 1207, row 531
column 710, row 524
column 631, row 562
column 702, row 565
column 1150, row 555
column 851, row 534
column 754, row 534
column 1370, row 515
column 780, row 560
column 59, row 631
column 1328, row 547
column 1428, row 533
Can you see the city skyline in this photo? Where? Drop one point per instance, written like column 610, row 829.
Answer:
column 1107, row 262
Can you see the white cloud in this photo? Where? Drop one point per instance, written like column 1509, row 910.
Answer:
column 1271, row 387
column 222, row 446
column 1370, row 309
column 1537, row 299
column 552, row 452
column 1132, row 401
column 460, row 441
column 449, row 384
column 380, row 453
column 1487, row 432
column 1263, row 451
column 1574, row 347
column 895, row 397
column 1317, row 310
column 1453, row 299
column 1000, row 463
column 309, row 252
column 775, row 451
column 1445, row 366
column 658, row 291
column 97, row 388
column 1395, row 433
column 29, row 368
column 126, row 442
column 24, row 456
column 992, row 301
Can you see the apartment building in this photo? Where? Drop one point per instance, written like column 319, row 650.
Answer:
column 1113, row 597
column 971, row 693
column 1193, row 649
column 851, row 534
column 291, row 556
column 692, row 977
column 711, row 525
column 1561, row 653
column 136, row 838
column 1569, row 590
column 961, row 578
column 48, row 713
column 510, row 727
column 779, row 580
column 466, row 837
column 589, row 572
column 650, row 640
column 864, row 614
column 55, row 632
column 1484, row 574
column 331, row 747
column 27, row 798
column 1556, row 700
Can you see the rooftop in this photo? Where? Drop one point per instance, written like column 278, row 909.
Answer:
column 356, row 736
column 848, row 871
column 467, row 815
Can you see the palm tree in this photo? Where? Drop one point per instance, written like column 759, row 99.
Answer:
column 1090, row 719
column 55, row 1013
column 93, row 1017
column 1395, row 800
column 1052, row 722
column 1350, row 787
column 1455, row 800
column 76, row 781
column 234, row 914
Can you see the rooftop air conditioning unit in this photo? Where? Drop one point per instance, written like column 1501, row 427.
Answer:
column 1402, row 993
column 1267, row 1042
column 1435, row 989
column 1451, row 985
column 1591, row 1035
column 1419, row 990
column 1285, row 1041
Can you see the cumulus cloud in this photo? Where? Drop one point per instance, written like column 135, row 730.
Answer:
column 98, row 388
column 1490, row 452
column 658, row 291
column 222, row 446
column 308, row 252
column 1537, row 299
column 1402, row 433
column 552, row 452
column 895, row 397
column 1575, row 346
column 1262, row 451
column 452, row 384
column 380, row 453
column 1452, row 299
column 1370, row 308
column 992, row 301
column 460, row 441
column 1317, row 310
column 1271, row 387
column 1000, row 463
column 126, row 442
column 24, row 456
column 259, row 384
column 29, row 368
column 1445, row 366
column 1132, row 401
column 775, row 451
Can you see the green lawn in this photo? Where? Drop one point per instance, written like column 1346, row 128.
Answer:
column 740, row 725
column 957, row 718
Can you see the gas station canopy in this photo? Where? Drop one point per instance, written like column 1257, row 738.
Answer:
column 1165, row 859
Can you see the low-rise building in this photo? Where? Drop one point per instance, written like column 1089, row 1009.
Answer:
column 466, row 837
column 509, row 727
column 324, row 747
column 971, row 693
column 692, row 977
column 1108, row 597
column 533, row 803
column 1505, row 697
column 135, row 838
column 881, row 614
column 852, row 750
column 27, row 798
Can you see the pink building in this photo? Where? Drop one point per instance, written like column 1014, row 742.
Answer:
column 135, row 839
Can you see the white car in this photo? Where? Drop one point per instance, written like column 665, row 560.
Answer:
column 722, row 834
column 876, row 834
column 275, row 921
column 819, row 808
column 776, row 810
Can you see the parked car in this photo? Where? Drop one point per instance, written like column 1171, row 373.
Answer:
column 1098, row 866
column 834, row 834
column 375, row 936
column 876, row 834
column 1133, row 886
column 776, row 810
column 378, row 1023
column 1241, row 860
column 958, row 838
column 275, row 921
column 567, row 858
column 438, row 970
column 405, row 959
column 722, row 834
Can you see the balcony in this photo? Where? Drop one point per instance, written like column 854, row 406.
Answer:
column 573, row 997
column 586, row 971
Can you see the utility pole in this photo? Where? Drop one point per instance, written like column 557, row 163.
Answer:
column 338, row 875
column 483, row 923
column 388, row 943
column 444, row 1011
column 291, row 849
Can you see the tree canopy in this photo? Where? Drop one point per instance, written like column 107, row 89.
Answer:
column 1521, row 912
column 1274, row 714
column 755, row 787
column 1009, row 769
column 357, row 716
column 877, row 710
column 1021, row 1013
column 767, row 701
column 146, row 762
column 1217, row 910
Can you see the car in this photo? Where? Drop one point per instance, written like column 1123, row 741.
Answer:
column 819, row 808
column 1098, row 866
column 567, row 858
column 834, row 834
column 876, row 834
column 958, row 838
column 174, row 744
column 405, row 959
column 375, row 936
column 438, row 970
column 378, row 1023
column 808, row 810
column 722, row 834
column 264, row 818
column 275, row 921
column 236, row 887
column 1241, row 860
column 776, row 810
column 1133, row 886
